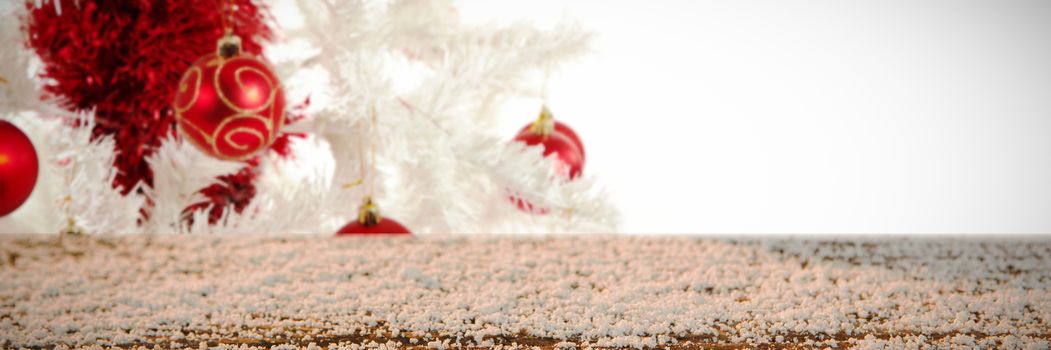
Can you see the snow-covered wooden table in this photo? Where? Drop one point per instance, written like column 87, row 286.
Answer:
column 546, row 292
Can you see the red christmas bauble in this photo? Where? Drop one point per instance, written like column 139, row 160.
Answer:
column 18, row 167
column 230, row 107
column 370, row 222
column 385, row 226
column 563, row 129
column 570, row 159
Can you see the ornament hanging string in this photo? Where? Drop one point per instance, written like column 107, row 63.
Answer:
column 366, row 171
column 372, row 150
column 229, row 44
column 361, row 160
column 543, row 87
column 67, row 203
column 368, row 213
column 226, row 20
column 544, row 123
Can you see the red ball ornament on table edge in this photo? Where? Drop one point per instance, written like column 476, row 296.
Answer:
column 19, row 167
column 229, row 104
column 370, row 222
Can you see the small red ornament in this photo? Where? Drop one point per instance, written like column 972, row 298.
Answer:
column 370, row 222
column 570, row 158
column 230, row 104
column 120, row 59
column 556, row 127
column 557, row 138
column 18, row 167
column 569, row 164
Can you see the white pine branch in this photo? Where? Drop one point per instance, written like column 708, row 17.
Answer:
column 179, row 172
column 441, row 170
column 434, row 85
column 74, row 189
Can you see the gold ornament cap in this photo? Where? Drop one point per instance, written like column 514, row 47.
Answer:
column 544, row 124
column 228, row 46
column 369, row 213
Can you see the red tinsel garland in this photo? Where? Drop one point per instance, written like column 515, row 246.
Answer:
column 123, row 59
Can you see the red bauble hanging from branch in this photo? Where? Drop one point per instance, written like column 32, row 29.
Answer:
column 230, row 104
column 558, row 139
column 569, row 160
column 123, row 60
column 18, row 167
column 370, row 222
column 556, row 127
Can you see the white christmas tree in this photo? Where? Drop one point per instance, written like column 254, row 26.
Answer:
column 404, row 105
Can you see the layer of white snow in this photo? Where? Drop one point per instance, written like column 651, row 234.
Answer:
column 521, row 292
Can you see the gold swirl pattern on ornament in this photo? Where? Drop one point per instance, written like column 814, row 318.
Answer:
column 269, row 84
column 184, row 86
column 229, row 140
column 240, row 84
column 214, row 61
column 226, row 136
column 240, row 113
column 182, row 126
column 210, row 139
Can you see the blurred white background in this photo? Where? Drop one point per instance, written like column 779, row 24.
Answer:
column 808, row 116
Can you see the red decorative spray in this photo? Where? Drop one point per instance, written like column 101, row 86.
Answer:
column 124, row 58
